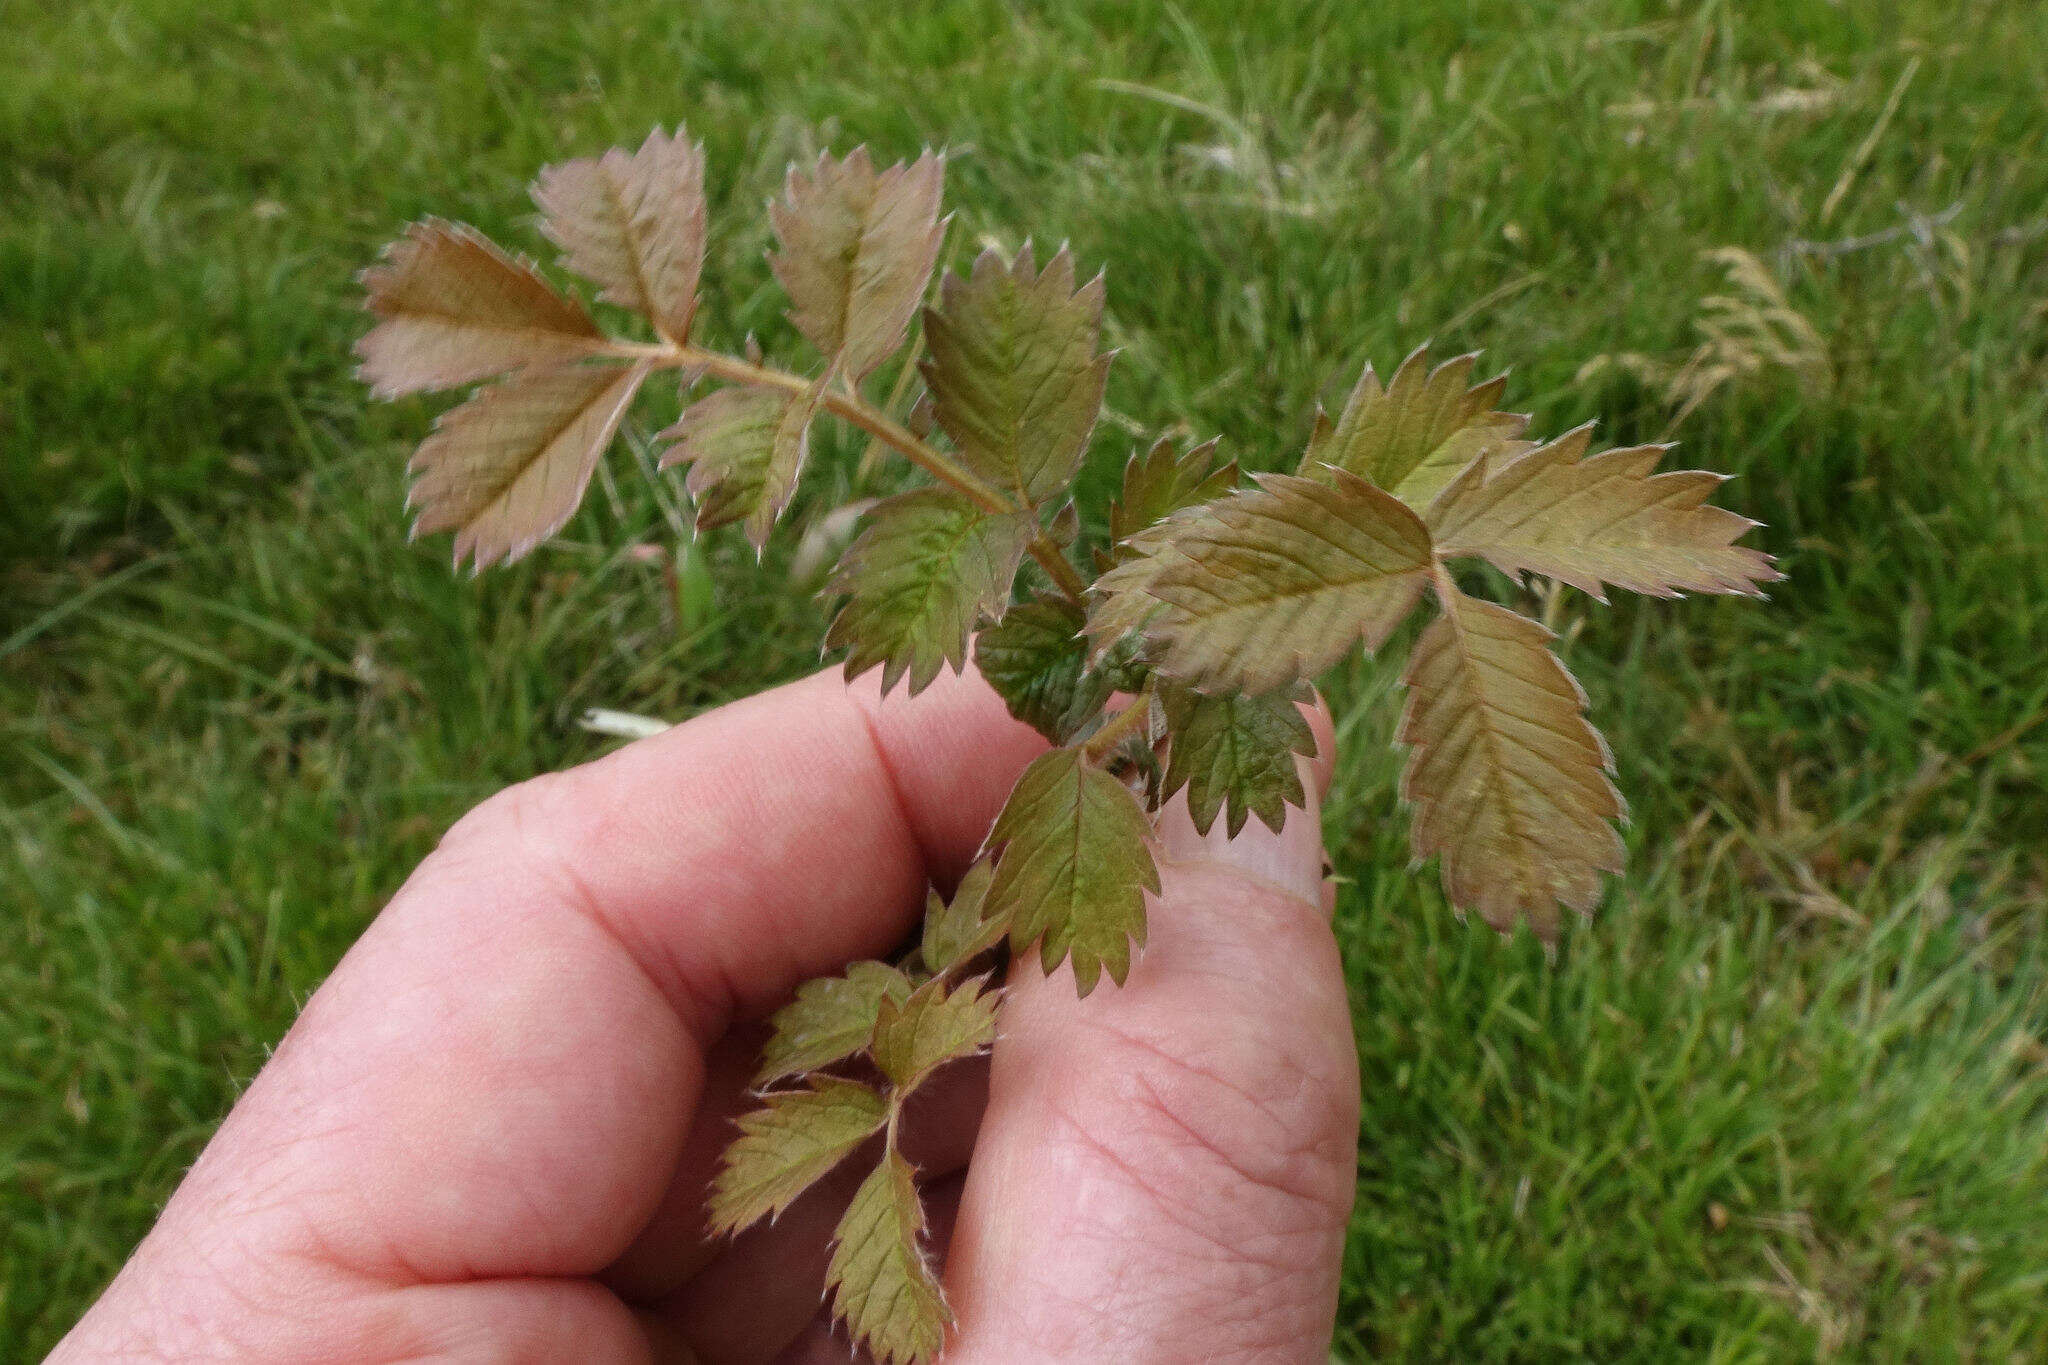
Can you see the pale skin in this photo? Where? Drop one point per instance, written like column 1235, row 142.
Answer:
column 489, row 1134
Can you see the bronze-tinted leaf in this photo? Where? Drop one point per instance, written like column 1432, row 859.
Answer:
column 1607, row 518
column 1165, row 479
column 790, row 1143
column 1235, row 753
column 745, row 448
column 1415, row 435
column 633, row 224
column 961, row 928
column 881, row 1285
column 1273, row 584
column 831, row 1018
column 1013, row 373
column 507, row 468
column 857, row 249
column 452, row 309
column 934, row 1026
column 1510, row 782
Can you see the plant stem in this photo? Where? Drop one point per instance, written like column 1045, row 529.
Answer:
column 878, row 424
column 1119, row 726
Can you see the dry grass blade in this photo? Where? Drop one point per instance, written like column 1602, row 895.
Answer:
column 633, row 224
column 1509, row 780
column 1610, row 518
column 507, row 468
column 454, row 308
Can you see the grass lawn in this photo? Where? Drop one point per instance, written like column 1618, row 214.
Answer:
column 1785, row 1098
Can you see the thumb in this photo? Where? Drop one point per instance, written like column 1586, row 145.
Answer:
column 1165, row 1170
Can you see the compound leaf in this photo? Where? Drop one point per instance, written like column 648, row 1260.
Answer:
column 453, row 308
column 882, row 1286
column 1036, row 658
column 1609, row 518
column 1074, row 864
column 1273, row 584
column 788, row 1144
column 957, row 930
column 917, row 1036
column 1415, row 435
column 507, row 468
column 857, row 250
column 1236, row 753
column 926, row 568
column 745, row 448
column 1012, row 370
column 1164, row 480
column 831, row 1018
column 1510, row 782
column 632, row 223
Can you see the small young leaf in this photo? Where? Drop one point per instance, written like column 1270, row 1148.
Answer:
column 745, row 448
column 632, row 223
column 881, row 1284
column 917, row 1036
column 857, row 249
column 957, row 930
column 1510, row 783
column 454, row 309
column 1417, row 434
column 1273, row 584
column 831, row 1018
column 1074, row 865
column 1013, row 373
column 927, row 567
column 1037, row 660
column 1164, row 480
column 1236, row 752
column 506, row 469
column 1609, row 518
column 788, row 1144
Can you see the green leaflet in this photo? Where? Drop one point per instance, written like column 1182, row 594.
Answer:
column 785, row 1146
column 1036, row 658
column 1273, row 584
column 856, row 251
column 958, row 930
column 880, row 1282
column 1013, row 373
column 926, row 568
column 1415, row 435
column 1074, row 865
column 917, row 1036
column 1162, row 481
column 745, row 448
column 1235, row 753
column 831, row 1018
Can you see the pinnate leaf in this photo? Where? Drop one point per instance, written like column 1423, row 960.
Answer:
column 788, row 1144
column 1414, row 435
column 1235, row 753
column 917, row 1036
column 1610, row 518
column 632, row 223
column 926, row 568
column 745, row 448
column 453, row 308
column 857, row 249
column 1273, row 584
column 1074, row 865
column 1036, row 658
column 831, row 1018
column 881, row 1284
column 1165, row 479
column 507, row 468
column 1012, row 370
column 1509, row 781
column 959, row 929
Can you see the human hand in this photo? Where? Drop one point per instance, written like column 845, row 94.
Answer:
column 490, row 1133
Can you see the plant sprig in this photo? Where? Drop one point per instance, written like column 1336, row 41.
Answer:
column 1176, row 664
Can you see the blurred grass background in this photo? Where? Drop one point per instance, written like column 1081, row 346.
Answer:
column 1786, row 1098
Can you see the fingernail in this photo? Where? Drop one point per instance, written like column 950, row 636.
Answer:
column 1290, row 860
